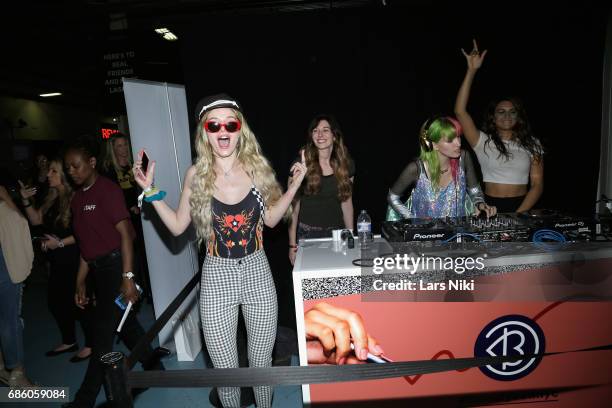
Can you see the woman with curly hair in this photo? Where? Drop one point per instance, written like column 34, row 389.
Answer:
column 510, row 156
column 441, row 182
column 229, row 194
column 63, row 254
column 325, row 201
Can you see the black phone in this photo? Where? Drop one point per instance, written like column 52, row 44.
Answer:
column 145, row 163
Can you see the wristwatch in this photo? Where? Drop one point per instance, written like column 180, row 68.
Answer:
column 60, row 243
column 128, row 275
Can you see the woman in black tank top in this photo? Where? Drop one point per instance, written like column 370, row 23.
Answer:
column 229, row 194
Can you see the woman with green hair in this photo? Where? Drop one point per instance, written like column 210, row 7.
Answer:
column 442, row 181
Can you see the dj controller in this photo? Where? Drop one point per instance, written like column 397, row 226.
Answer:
column 504, row 227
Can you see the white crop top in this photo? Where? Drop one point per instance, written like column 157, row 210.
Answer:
column 497, row 168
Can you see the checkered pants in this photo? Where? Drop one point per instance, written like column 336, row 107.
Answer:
column 226, row 284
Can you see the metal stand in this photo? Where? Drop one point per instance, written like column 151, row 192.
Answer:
column 118, row 393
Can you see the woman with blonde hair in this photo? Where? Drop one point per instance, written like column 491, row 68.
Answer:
column 229, row 194
column 63, row 254
column 118, row 167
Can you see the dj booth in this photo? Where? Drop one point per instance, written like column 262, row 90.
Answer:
column 480, row 295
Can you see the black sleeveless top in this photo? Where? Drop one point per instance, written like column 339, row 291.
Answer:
column 54, row 226
column 237, row 228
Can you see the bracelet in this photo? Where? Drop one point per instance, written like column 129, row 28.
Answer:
column 60, row 243
column 158, row 195
column 150, row 194
column 292, row 246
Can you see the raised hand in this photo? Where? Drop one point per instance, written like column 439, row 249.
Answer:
column 474, row 58
column 26, row 191
column 298, row 172
column 143, row 180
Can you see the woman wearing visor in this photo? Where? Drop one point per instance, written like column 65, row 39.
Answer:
column 229, row 194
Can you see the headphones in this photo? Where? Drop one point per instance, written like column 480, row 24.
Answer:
column 424, row 139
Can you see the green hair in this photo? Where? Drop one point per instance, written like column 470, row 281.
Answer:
column 432, row 131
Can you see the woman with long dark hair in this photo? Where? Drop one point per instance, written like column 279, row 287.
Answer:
column 325, row 200
column 510, row 156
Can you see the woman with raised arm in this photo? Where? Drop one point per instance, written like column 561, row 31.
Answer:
column 510, row 156
column 63, row 254
column 325, row 201
column 229, row 194
column 441, row 182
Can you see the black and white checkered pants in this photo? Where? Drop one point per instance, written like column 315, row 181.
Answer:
column 227, row 284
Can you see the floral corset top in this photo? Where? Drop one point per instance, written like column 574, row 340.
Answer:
column 237, row 228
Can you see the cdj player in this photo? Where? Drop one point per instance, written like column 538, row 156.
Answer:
column 504, row 227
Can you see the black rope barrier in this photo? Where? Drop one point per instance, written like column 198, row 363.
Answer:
column 143, row 343
column 120, row 383
column 315, row 374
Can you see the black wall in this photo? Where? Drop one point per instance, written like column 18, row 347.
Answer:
column 383, row 70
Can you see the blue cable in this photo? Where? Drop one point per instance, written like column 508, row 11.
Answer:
column 541, row 235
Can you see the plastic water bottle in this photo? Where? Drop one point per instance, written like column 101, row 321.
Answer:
column 364, row 228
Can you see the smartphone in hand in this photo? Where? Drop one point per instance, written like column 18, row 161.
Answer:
column 120, row 300
column 145, row 163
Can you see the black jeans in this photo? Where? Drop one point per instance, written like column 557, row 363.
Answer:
column 107, row 282
column 64, row 264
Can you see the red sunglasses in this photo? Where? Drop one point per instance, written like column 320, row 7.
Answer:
column 213, row 126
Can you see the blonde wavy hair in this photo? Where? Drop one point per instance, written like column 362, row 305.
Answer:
column 254, row 163
column 64, row 197
column 110, row 161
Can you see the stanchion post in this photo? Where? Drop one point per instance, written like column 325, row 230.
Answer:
column 115, row 380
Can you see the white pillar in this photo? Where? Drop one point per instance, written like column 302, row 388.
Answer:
column 157, row 116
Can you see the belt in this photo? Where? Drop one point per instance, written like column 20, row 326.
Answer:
column 104, row 259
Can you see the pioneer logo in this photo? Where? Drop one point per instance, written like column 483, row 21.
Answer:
column 571, row 224
column 427, row 236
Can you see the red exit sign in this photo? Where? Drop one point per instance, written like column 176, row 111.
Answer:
column 106, row 133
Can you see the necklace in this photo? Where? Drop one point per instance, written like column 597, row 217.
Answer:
column 444, row 171
column 227, row 173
